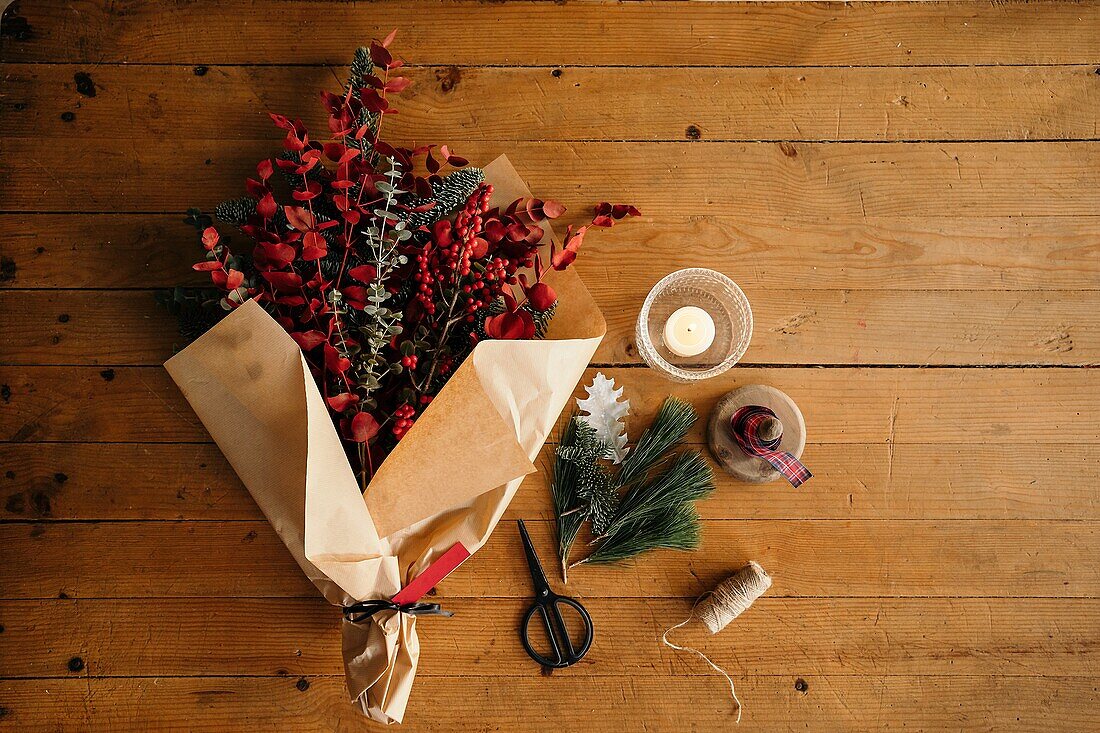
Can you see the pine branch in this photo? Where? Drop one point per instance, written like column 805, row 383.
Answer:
column 672, row 423
column 688, row 479
column 673, row 528
column 563, row 489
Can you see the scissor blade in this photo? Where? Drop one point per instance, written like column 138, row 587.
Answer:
column 538, row 577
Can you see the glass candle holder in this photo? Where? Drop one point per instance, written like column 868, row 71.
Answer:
column 720, row 298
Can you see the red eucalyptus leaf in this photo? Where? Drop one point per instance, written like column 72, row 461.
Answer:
column 603, row 221
column 299, row 218
column 343, row 401
column 332, row 101
column 256, row 189
column 510, row 326
column 314, row 247
column 292, row 301
column 333, row 151
column 534, row 234
column 431, row 163
column 281, row 121
column 355, row 296
column 603, row 209
column 207, row 266
column 363, row 273
column 333, row 361
column 541, row 296
column 389, row 39
column 397, row 84
column 308, row 340
column 510, row 301
column 264, row 169
column 373, row 101
column 266, row 207
column 423, row 188
column 234, row 279
column 349, row 155
column 341, row 185
column 292, row 143
column 273, row 255
column 313, row 189
column 455, row 160
column 283, row 280
column 362, row 427
column 380, row 55
column 563, row 259
column 552, row 209
column 210, row 238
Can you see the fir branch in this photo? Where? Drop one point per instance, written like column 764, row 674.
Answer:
column 673, row 528
column 672, row 423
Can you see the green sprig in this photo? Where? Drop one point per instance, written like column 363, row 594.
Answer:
column 646, row 505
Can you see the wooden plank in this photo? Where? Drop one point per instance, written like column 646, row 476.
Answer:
column 845, row 180
column 780, row 636
column 575, row 103
column 67, row 481
column 662, row 33
column 969, row 253
column 790, row 326
column 933, row 405
column 823, row 703
column 810, row 558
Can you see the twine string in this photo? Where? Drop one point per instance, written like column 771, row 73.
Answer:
column 715, row 609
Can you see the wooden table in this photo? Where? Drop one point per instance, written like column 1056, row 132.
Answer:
column 907, row 193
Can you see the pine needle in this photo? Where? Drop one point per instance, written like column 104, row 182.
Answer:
column 672, row 423
column 672, row 528
column 563, row 489
column 688, row 479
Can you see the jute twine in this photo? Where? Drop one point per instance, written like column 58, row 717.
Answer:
column 717, row 608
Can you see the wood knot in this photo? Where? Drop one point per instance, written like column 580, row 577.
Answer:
column 693, row 132
column 448, row 78
column 76, row 664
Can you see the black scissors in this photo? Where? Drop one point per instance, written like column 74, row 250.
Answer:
column 547, row 604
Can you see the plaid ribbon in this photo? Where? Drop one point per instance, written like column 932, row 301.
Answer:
column 745, row 426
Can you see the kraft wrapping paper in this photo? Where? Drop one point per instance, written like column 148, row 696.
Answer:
column 249, row 384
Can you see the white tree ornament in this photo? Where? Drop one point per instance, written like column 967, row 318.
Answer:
column 605, row 411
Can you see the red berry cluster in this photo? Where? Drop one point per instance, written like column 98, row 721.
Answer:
column 403, row 418
column 447, row 256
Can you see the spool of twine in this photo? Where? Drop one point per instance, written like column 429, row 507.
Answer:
column 717, row 608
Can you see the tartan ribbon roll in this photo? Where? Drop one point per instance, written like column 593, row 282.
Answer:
column 746, row 425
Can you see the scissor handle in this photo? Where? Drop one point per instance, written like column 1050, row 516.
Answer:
column 565, row 654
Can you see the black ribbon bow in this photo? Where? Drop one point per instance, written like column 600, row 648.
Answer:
column 363, row 610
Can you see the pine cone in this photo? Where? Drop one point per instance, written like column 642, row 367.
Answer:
column 235, row 211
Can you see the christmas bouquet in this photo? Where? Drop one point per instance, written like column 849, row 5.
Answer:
column 384, row 359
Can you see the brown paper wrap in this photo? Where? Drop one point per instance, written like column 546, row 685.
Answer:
column 249, row 384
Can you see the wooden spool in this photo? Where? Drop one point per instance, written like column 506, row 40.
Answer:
column 725, row 449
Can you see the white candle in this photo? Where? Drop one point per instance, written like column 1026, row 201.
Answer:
column 689, row 331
